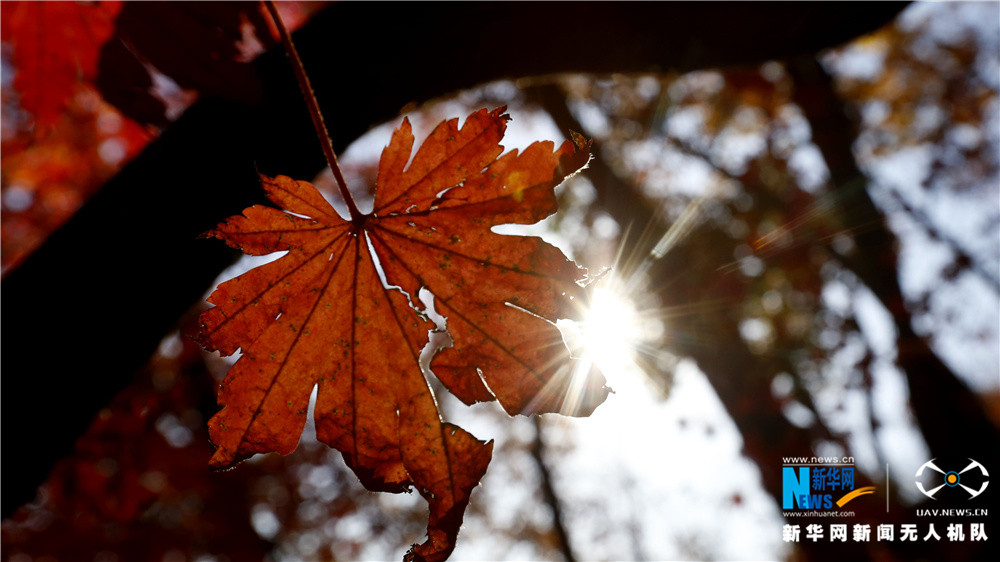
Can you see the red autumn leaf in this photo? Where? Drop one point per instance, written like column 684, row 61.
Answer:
column 322, row 314
column 55, row 45
column 110, row 44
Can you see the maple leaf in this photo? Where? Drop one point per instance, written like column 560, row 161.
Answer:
column 55, row 45
column 322, row 315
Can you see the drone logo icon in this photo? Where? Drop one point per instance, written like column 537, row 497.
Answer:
column 952, row 478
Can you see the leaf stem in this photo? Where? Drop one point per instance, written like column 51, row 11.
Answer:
column 314, row 113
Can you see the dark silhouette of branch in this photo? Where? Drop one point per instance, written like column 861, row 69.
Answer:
column 89, row 307
column 951, row 418
column 549, row 492
column 961, row 256
column 874, row 261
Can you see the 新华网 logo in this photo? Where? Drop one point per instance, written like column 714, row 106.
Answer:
column 819, row 487
column 951, row 479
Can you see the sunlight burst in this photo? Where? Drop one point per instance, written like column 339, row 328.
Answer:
column 622, row 328
column 611, row 330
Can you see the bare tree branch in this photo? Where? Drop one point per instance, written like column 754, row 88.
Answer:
column 874, row 261
column 549, row 492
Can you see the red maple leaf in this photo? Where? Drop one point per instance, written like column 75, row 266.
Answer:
column 55, row 45
column 322, row 315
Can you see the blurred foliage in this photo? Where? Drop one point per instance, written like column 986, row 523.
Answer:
column 75, row 113
column 46, row 179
